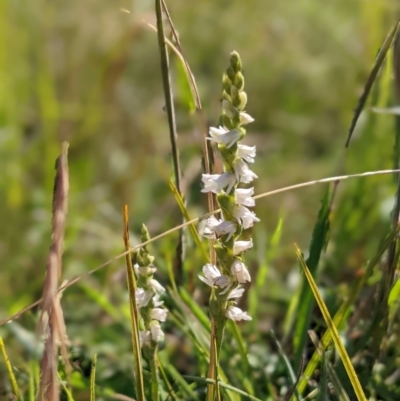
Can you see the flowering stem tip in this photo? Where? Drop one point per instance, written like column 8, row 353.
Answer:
column 234, row 196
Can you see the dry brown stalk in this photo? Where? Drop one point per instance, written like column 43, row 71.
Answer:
column 51, row 323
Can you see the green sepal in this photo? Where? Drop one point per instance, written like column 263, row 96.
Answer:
column 239, row 81
column 227, row 204
column 243, row 101
column 226, row 83
column 235, row 61
column 228, row 155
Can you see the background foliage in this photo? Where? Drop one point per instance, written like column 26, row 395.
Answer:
column 89, row 73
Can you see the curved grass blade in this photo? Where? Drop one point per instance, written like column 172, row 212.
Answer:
column 10, row 372
column 331, row 326
column 371, row 78
column 345, row 308
column 222, row 385
column 306, row 301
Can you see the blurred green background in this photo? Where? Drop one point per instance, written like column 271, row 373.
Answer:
column 87, row 72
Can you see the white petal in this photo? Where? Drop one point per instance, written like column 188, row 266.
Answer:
column 244, row 216
column 239, row 270
column 245, row 118
column 143, row 297
column 222, row 135
column 243, row 196
column 236, row 293
column 223, row 282
column 247, row 153
column 159, row 314
column 210, row 272
column 216, row 182
column 144, row 338
column 243, row 172
column 156, row 286
column 241, row 246
column 156, row 301
column 209, row 229
column 156, row 333
column 226, row 227
column 236, row 314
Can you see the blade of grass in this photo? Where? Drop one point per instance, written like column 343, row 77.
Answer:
column 10, row 371
column 306, row 302
column 334, row 332
column 131, row 280
column 223, row 385
column 371, row 78
column 169, row 107
column 289, row 368
column 345, row 308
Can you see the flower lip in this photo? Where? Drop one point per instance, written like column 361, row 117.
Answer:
column 224, row 136
column 236, row 314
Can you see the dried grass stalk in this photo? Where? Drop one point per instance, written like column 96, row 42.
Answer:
column 51, row 323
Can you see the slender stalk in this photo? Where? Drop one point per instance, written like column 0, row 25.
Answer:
column 169, row 106
column 134, row 313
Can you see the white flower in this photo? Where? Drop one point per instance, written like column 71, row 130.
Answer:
column 156, row 301
column 159, row 314
column 241, row 246
column 243, row 196
column 144, row 338
column 217, row 182
column 236, row 293
column 143, row 297
column 209, row 227
column 247, row 153
column 156, row 286
column 239, row 270
column 144, row 270
column 245, row 118
column 226, row 227
column 223, row 282
column 242, row 171
column 236, row 314
column 244, row 216
column 222, row 135
column 156, row 333
column 212, row 276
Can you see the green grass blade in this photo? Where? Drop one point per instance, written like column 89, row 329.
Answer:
column 371, row 78
column 345, row 308
column 222, row 385
column 10, row 372
column 335, row 334
column 306, row 302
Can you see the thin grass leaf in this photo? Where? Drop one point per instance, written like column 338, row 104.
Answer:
column 327, row 368
column 184, row 387
column 169, row 389
column 98, row 297
column 193, row 231
column 335, row 334
column 306, row 302
column 93, row 379
column 380, row 58
column 131, row 280
column 169, row 107
column 10, row 371
column 223, row 385
column 65, row 388
column 345, row 309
